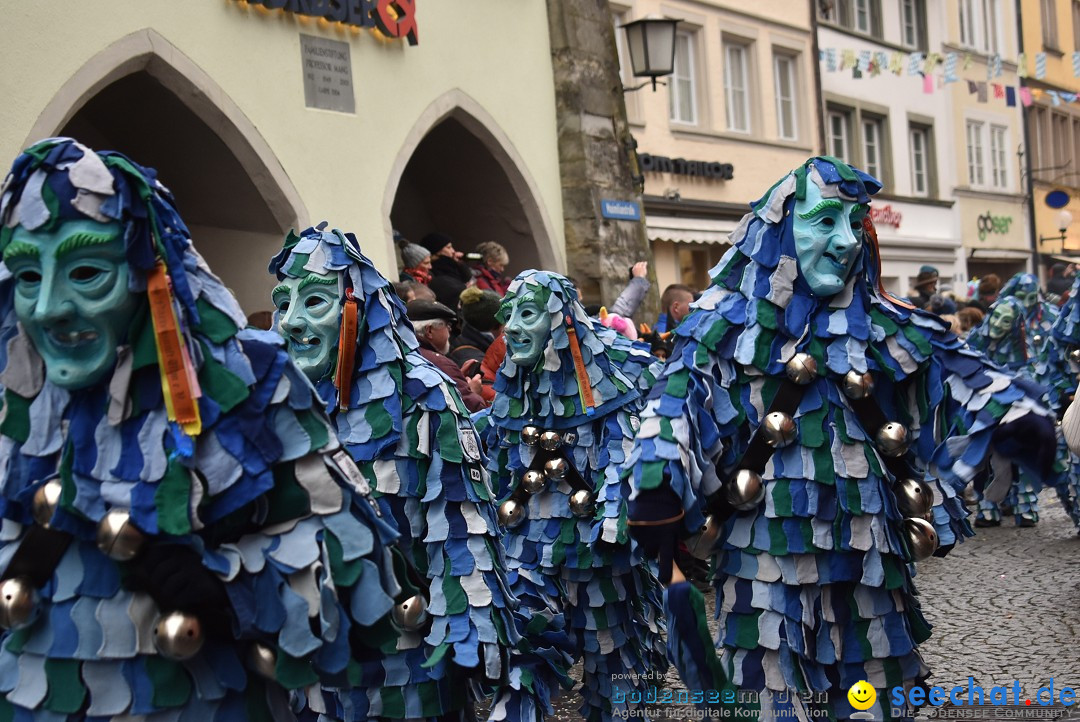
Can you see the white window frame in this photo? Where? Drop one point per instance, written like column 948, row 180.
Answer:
column 976, row 159
column 980, row 25
column 686, row 76
column 734, row 124
column 862, row 13
column 786, row 65
column 844, row 118
column 920, row 181
column 872, row 144
column 999, row 158
column 911, row 25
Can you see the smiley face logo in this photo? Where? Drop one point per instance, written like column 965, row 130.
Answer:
column 862, row 695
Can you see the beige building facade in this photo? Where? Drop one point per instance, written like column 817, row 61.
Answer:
column 737, row 114
column 260, row 119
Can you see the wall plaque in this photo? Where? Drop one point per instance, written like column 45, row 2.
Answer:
column 327, row 70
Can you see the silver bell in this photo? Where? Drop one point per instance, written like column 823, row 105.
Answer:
column 745, row 490
column 801, row 369
column 178, row 636
column 550, row 440
column 530, row 435
column 118, row 537
column 779, row 429
column 19, row 603
column 892, row 439
column 263, row 660
column 556, row 469
column 921, row 538
column 410, row 615
column 1074, row 355
column 46, row 499
column 914, row 497
column 533, row 481
column 857, row 385
column 1037, row 339
column 581, row 503
column 701, row 545
column 511, row 513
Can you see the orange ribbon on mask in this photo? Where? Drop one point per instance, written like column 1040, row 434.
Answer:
column 346, row 359
column 179, row 383
column 584, row 387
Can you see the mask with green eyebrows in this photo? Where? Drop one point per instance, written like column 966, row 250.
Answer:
column 71, row 295
column 309, row 317
column 828, row 239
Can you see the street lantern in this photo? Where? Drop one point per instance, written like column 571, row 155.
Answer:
column 651, row 41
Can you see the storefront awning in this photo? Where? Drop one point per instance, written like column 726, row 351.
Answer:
column 1064, row 258
column 998, row 254
column 688, row 230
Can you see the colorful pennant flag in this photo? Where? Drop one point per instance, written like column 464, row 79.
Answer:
column 1010, row 96
column 950, row 68
column 1040, row 65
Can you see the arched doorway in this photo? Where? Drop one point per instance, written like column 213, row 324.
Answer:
column 231, row 192
column 461, row 176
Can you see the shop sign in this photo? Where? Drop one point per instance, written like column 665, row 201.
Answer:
column 393, row 18
column 327, row 74
column 885, row 216
column 681, row 166
column 620, row 210
column 987, row 223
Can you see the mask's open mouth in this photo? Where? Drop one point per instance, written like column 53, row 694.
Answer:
column 71, row 339
column 304, row 343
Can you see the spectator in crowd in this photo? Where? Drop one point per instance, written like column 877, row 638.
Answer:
column 630, row 299
column 925, row 286
column 480, row 327
column 1058, row 282
column 953, row 321
column 417, row 262
column 489, row 271
column 405, row 290
column 941, row 305
column 433, row 323
column 989, row 287
column 970, row 317
column 449, row 276
column 674, row 305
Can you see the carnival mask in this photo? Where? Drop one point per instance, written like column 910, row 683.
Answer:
column 828, row 238
column 1001, row 321
column 1027, row 298
column 308, row 315
column 72, row 297
column 528, row 330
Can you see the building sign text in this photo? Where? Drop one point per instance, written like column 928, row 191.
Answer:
column 327, row 70
column 681, row 166
column 393, row 18
column 885, row 216
column 620, row 210
column 987, row 223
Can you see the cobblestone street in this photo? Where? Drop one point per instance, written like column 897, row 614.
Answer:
column 1005, row 606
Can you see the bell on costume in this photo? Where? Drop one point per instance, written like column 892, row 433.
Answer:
column 550, row 440
column 801, row 369
column 46, row 499
column 511, row 513
column 411, row 614
column 701, row 545
column 1074, row 355
column 892, row 439
column 533, row 481
column 178, row 636
column 914, row 497
column 582, row 503
column 530, row 435
column 922, row 540
column 118, row 537
column 263, row 660
column 19, row 603
column 857, row 385
column 779, row 429
column 556, row 469
column 745, row 490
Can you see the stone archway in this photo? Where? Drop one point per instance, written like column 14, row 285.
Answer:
column 458, row 173
column 143, row 97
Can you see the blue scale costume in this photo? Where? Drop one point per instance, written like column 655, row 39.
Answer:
column 1039, row 317
column 814, row 589
column 411, row 437
column 580, row 576
column 262, row 495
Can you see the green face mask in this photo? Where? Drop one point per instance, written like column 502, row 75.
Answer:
column 828, row 238
column 72, row 297
column 1001, row 321
column 309, row 318
column 528, row 330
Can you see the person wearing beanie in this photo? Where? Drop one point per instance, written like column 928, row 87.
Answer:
column 417, row 262
column 449, row 276
column 925, row 286
column 480, row 327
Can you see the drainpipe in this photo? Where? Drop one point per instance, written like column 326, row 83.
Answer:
column 816, row 51
column 1024, row 114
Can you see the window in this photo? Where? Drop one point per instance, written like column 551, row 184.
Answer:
column 1055, row 145
column 872, row 139
column 862, row 16
column 1076, row 24
column 999, row 169
column 1062, row 137
column 784, row 68
column 683, row 102
column 1049, row 23
column 919, row 143
column 976, row 166
column 1042, row 154
column 737, row 87
column 980, row 21
column 838, row 134
column 912, row 23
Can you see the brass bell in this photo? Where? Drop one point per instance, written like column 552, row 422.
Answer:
column 410, row 615
column 118, row 537
column 263, row 660
column 582, row 503
column 701, row 545
column 46, row 499
column 1074, row 355
column 921, row 538
column 892, row 439
column 512, row 513
column 857, row 385
column 801, row 369
column 19, row 605
column 745, row 490
column 178, row 636
column 556, row 469
column 914, row 497
column 779, row 429
column 533, row 481
column 550, row 440
column 530, row 435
